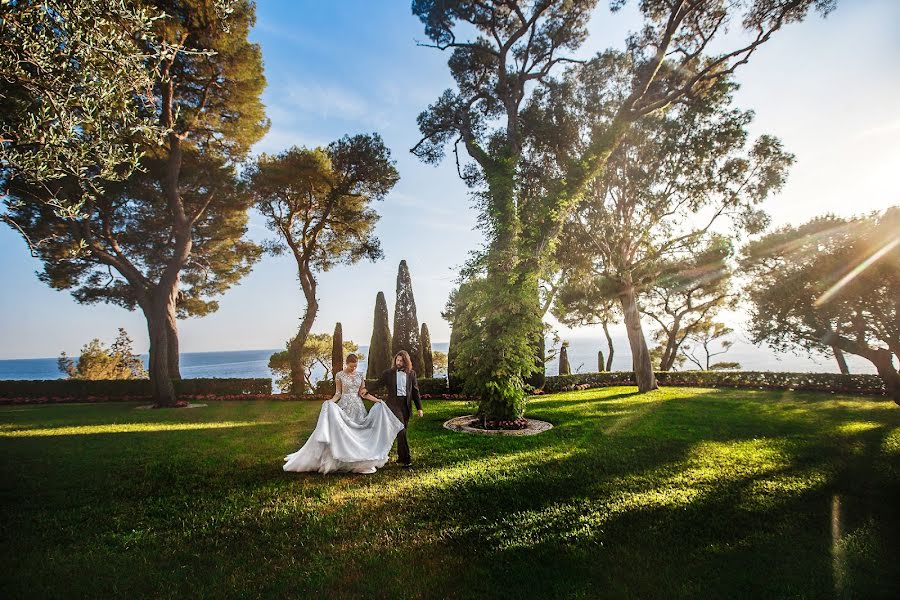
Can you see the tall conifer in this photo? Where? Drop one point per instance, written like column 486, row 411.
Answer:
column 406, row 323
column 380, row 346
column 427, row 354
column 337, row 350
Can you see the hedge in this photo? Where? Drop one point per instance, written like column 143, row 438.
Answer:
column 57, row 390
column 431, row 386
column 814, row 382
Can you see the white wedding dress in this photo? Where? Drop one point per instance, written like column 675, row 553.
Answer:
column 345, row 437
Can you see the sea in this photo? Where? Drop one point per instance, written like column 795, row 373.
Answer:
column 582, row 357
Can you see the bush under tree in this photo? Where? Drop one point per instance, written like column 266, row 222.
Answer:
column 96, row 361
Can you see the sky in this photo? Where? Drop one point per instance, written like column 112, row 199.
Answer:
column 829, row 88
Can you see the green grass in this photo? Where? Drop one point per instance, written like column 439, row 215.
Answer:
column 678, row 493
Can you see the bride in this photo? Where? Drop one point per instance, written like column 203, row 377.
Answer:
column 346, row 438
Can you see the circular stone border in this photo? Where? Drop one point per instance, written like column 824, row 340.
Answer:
column 150, row 406
column 461, row 424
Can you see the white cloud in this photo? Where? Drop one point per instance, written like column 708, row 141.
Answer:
column 327, row 101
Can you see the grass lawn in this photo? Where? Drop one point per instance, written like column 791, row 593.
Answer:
column 677, row 493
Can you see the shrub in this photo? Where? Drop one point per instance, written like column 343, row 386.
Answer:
column 54, row 390
column 818, row 382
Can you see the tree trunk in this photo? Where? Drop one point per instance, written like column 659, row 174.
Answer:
column 174, row 355
column 640, row 355
column 510, row 310
column 308, row 283
column 883, row 361
column 160, row 380
column 841, row 361
column 609, row 345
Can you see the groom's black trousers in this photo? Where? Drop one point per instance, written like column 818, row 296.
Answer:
column 397, row 406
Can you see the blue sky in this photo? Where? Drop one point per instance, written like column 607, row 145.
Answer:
column 830, row 89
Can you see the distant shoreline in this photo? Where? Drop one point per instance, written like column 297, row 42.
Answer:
column 582, row 357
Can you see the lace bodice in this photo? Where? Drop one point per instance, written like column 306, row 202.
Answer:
column 349, row 401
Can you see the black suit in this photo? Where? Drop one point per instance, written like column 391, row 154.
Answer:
column 401, row 407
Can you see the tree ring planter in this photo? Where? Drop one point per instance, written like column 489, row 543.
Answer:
column 463, row 424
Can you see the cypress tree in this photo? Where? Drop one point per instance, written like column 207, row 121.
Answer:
column 427, row 355
column 564, row 368
column 380, row 347
column 601, row 363
column 337, row 350
column 406, row 323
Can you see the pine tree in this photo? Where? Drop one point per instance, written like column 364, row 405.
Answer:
column 172, row 234
column 337, row 350
column 564, row 367
column 427, row 354
column 406, row 323
column 380, row 347
column 319, row 202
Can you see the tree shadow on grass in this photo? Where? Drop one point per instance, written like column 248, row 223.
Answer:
column 763, row 535
column 571, row 512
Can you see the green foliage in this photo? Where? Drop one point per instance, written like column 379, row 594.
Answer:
column 406, row 323
column 337, row 350
column 96, row 361
column 380, row 357
column 99, row 390
column 454, row 312
column 536, row 380
column 427, row 352
column 831, row 282
column 74, row 105
column 319, row 203
column 702, row 337
column 132, row 221
column 725, row 366
column 835, row 383
column 676, row 174
column 530, row 165
column 439, row 360
column 316, row 353
column 686, row 297
column 487, row 351
column 169, row 235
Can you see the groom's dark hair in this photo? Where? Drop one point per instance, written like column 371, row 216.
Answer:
column 407, row 361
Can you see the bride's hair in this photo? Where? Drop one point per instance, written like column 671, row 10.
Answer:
column 407, row 361
column 352, row 358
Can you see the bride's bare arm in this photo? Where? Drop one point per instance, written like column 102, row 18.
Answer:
column 365, row 395
column 338, row 388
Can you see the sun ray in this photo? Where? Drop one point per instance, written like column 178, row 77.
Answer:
column 856, row 271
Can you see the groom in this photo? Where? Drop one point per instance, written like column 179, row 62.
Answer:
column 403, row 390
